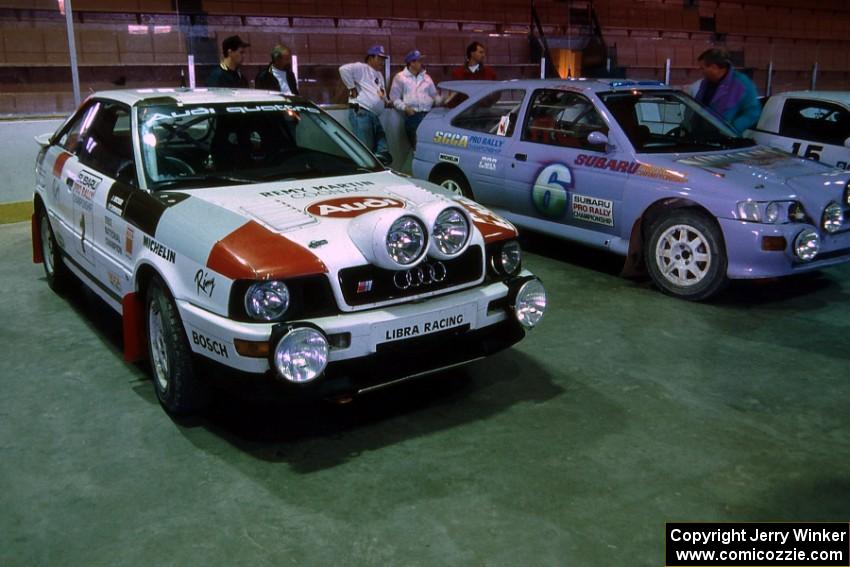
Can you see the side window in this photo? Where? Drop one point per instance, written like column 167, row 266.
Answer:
column 562, row 118
column 74, row 133
column 496, row 113
column 106, row 143
column 815, row 120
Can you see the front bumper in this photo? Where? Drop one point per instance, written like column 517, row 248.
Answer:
column 375, row 332
column 747, row 259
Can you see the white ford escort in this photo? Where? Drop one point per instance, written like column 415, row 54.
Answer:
column 251, row 230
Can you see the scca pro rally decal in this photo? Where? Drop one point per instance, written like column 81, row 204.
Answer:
column 83, row 189
column 473, row 142
column 549, row 193
column 348, row 207
column 591, row 209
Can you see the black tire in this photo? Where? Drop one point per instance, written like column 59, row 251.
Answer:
column 55, row 271
column 455, row 182
column 175, row 382
column 686, row 256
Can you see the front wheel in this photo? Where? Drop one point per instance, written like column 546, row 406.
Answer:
column 454, row 182
column 55, row 271
column 177, row 387
column 686, row 257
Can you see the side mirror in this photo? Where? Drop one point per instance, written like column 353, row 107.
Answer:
column 385, row 158
column 597, row 138
column 43, row 140
column 847, row 143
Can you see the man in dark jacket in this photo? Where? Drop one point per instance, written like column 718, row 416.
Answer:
column 474, row 68
column 278, row 76
column 227, row 74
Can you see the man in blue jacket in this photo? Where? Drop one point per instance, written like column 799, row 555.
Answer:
column 727, row 92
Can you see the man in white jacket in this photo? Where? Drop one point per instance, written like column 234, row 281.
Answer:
column 367, row 98
column 413, row 93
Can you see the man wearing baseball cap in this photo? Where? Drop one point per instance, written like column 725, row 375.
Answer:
column 227, row 74
column 367, row 98
column 413, row 93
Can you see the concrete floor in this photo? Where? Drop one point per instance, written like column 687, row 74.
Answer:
column 625, row 409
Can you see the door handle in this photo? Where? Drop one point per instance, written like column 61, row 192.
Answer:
column 520, row 157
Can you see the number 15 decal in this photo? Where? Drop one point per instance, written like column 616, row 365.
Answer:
column 811, row 152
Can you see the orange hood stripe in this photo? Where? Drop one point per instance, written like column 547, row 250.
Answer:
column 491, row 226
column 256, row 253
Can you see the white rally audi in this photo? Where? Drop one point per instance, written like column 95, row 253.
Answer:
column 251, row 230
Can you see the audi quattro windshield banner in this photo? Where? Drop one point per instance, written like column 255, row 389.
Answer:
column 810, row 544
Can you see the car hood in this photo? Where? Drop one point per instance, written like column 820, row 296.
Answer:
column 316, row 223
column 757, row 173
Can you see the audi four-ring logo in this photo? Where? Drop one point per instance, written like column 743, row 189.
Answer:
column 426, row 273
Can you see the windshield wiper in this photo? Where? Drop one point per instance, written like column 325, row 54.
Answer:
column 210, row 178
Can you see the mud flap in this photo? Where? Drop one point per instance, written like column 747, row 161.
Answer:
column 134, row 327
column 37, row 257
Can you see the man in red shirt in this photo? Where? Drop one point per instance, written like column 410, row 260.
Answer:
column 474, row 68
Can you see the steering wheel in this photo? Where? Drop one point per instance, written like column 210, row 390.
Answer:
column 679, row 132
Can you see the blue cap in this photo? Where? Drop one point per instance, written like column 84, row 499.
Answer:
column 414, row 55
column 377, row 50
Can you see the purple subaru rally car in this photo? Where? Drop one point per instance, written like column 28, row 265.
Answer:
column 639, row 169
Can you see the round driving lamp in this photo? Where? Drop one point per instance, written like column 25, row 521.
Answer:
column 406, row 240
column 807, row 245
column 301, row 355
column 267, row 301
column 530, row 303
column 450, row 232
column 832, row 218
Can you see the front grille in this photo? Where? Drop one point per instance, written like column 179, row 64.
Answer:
column 362, row 285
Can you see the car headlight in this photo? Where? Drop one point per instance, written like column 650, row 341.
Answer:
column 807, row 245
column 833, row 216
column 796, row 213
column 301, row 355
column 508, row 259
column 749, row 210
column 450, row 232
column 771, row 212
column 530, row 303
column 406, row 240
column 267, row 301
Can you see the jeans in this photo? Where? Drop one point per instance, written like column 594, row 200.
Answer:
column 368, row 130
column 411, row 123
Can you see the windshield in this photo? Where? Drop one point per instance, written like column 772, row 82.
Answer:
column 226, row 144
column 670, row 122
